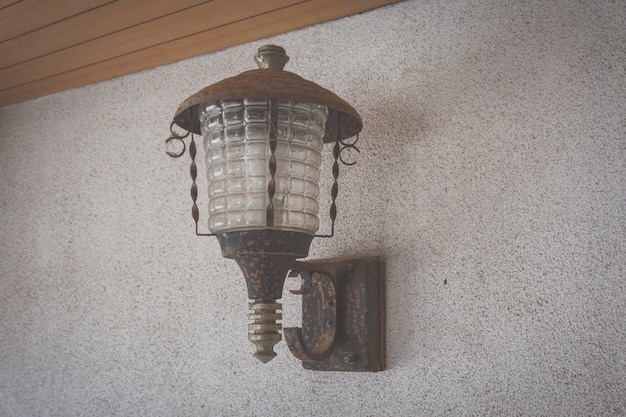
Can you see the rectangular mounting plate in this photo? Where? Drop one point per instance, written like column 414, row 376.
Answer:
column 360, row 336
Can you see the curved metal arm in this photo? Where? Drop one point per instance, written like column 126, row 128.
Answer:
column 317, row 289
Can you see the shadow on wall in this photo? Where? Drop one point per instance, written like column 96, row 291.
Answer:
column 380, row 200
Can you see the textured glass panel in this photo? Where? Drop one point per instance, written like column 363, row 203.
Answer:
column 217, row 204
column 279, row 200
column 257, row 183
column 311, row 221
column 282, row 167
column 312, row 174
column 215, row 154
column 216, row 171
column 300, row 134
column 234, row 133
column 318, row 120
column 255, row 101
column 235, row 184
column 211, row 116
column 281, row 216
column 236, row 219
column 314, row 139
column 233, row 116
column 314, row 158
column 214, row 120
column 227, row 104
column 282, row 184
column 296, row 202
column 311, row 189
column 204, row 125
column 256, row 217
column 310, row 205
column 217, row 221
column 296, row 219
column 235, row 167
column 255, row 114
column 284, row 131
column 236, row 202
column 298, row 152
column 257, row 201
column 297, row 186
column 282, row 150
column 257, row 131
column 298, row 169
column 256, row 166
column 215, row 137
column 236, row 142
column 216, row 187
column 234, row 151
column 300, row 118
column 284, row 113
column 256, row 149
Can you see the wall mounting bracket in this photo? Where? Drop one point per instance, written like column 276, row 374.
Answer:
column 343, row 313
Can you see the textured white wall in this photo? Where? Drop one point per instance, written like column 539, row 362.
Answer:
column 492, row 178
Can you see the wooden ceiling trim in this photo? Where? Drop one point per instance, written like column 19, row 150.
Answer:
column 7, row 3
column 205, row 16
column 84, row 27
column 290, row 18
column 27, row 15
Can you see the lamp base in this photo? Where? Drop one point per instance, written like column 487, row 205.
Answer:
column 265, row 257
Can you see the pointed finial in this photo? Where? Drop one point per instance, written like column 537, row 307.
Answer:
column 271, row 57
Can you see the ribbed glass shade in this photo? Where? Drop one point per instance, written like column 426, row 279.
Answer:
column 237, row 147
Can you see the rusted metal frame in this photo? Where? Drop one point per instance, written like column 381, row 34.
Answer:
column 338, row 148
column 271, row 184
column 326, row 296
column 193, row 169
column 335, row 188
column 359, row 343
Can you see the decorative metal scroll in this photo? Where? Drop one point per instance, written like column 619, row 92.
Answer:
column 176, row 136
column 346, row 145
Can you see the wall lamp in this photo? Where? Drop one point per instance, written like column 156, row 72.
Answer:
column 263, row 133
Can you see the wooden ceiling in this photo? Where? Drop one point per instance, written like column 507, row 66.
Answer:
column 48, row 46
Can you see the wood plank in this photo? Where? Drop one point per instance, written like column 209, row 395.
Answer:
column 199, row 18
column 258, row 27
column 100, row 21
column 7, row 3
column 28, row 15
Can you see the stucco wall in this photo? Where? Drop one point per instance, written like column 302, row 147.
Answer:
column 492, row 178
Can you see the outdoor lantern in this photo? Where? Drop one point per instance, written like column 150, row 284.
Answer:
column 263, row 133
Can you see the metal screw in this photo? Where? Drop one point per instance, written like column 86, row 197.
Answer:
column 349, row 359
